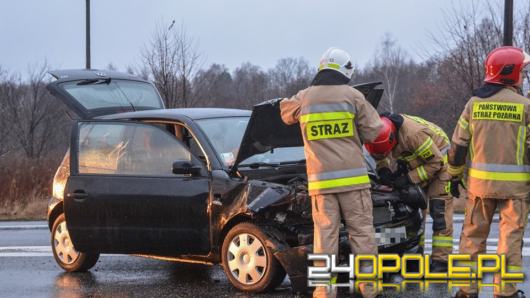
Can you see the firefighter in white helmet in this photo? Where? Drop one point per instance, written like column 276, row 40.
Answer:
column 335, row 120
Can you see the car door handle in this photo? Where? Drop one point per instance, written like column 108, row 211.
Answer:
column 217, row 199
column 77, row 195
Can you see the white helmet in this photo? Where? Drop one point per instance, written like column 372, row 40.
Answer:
column 338, row 60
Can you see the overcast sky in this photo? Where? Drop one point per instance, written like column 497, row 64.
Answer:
column 228, row 31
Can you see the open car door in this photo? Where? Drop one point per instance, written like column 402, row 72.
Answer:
column 93, row 93
column 124, row 195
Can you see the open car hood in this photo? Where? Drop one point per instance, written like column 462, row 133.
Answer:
column 266, row 130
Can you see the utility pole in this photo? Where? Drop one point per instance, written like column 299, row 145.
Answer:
column 87, row 34
column 508, row 22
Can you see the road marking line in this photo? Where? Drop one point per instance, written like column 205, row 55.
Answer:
column 46, row 251
column 489, row 249
column 495, row 240
column 456, row 218
column 25, row 227
column 25, row 254
column 45, row 248
column 460, row 218
column 34, row 251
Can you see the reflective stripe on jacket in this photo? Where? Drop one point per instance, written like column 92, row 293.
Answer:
column 334, row 120
column 495, row 130
column 423, row 145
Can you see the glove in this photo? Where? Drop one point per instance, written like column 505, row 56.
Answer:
column 402, row 168
column 402, row 181
column 455, row 191
column 385, row 176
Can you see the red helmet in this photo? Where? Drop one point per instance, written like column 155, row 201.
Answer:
column 385, row 141
column 504, row 64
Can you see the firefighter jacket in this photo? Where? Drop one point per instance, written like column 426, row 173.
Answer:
column 335, row 120
column 495, row 130
column 422, row 145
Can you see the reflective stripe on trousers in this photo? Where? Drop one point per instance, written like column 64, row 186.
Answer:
column 442, row 241
column 340, row 178
column 500, row 172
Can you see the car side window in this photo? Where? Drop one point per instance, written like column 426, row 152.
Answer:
column 128, row 149
column 184, row 135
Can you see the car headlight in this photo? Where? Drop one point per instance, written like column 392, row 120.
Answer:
column 58, row 189
column 60, row 178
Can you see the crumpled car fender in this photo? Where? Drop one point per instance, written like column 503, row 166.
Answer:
column 264, row 194
column 293, row 259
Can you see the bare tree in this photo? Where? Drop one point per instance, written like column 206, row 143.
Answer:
column 522, row 37
column 188, row 62
column 160, row 59
column 469, row 36
column 171, row 59
column 389, row 63
column 289, row 76
column 111, row 67
column 31, row 112
column 250, row 84
column 213, row 86
column 4, row 141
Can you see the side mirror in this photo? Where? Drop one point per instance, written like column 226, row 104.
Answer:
column 185, row 167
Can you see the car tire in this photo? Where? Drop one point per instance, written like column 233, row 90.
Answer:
column 64, row 251
column 244, row 248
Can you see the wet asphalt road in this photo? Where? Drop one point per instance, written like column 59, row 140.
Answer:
column 27, row 269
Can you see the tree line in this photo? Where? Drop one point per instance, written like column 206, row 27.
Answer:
column 34, row 127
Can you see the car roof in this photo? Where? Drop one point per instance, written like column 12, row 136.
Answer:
column 178, row 114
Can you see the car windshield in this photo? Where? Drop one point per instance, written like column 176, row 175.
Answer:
column 95, row 94
column 226, row 134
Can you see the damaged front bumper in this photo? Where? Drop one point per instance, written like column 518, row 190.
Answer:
column 294, row 259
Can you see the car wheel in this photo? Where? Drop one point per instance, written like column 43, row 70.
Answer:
column 64, row 251
column 248, row 263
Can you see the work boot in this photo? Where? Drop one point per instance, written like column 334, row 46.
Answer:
column 438, row 267
column 462, row 294
column 518, row 294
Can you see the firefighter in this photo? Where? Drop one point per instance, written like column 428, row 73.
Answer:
column 494, row 132
column 335, row 119
column 421, row 147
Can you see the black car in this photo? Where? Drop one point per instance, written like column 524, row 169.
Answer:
column 213, row 186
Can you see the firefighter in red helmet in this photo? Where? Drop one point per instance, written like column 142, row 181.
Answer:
column 493, row 131
column 420, row 148
column 385, row 141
